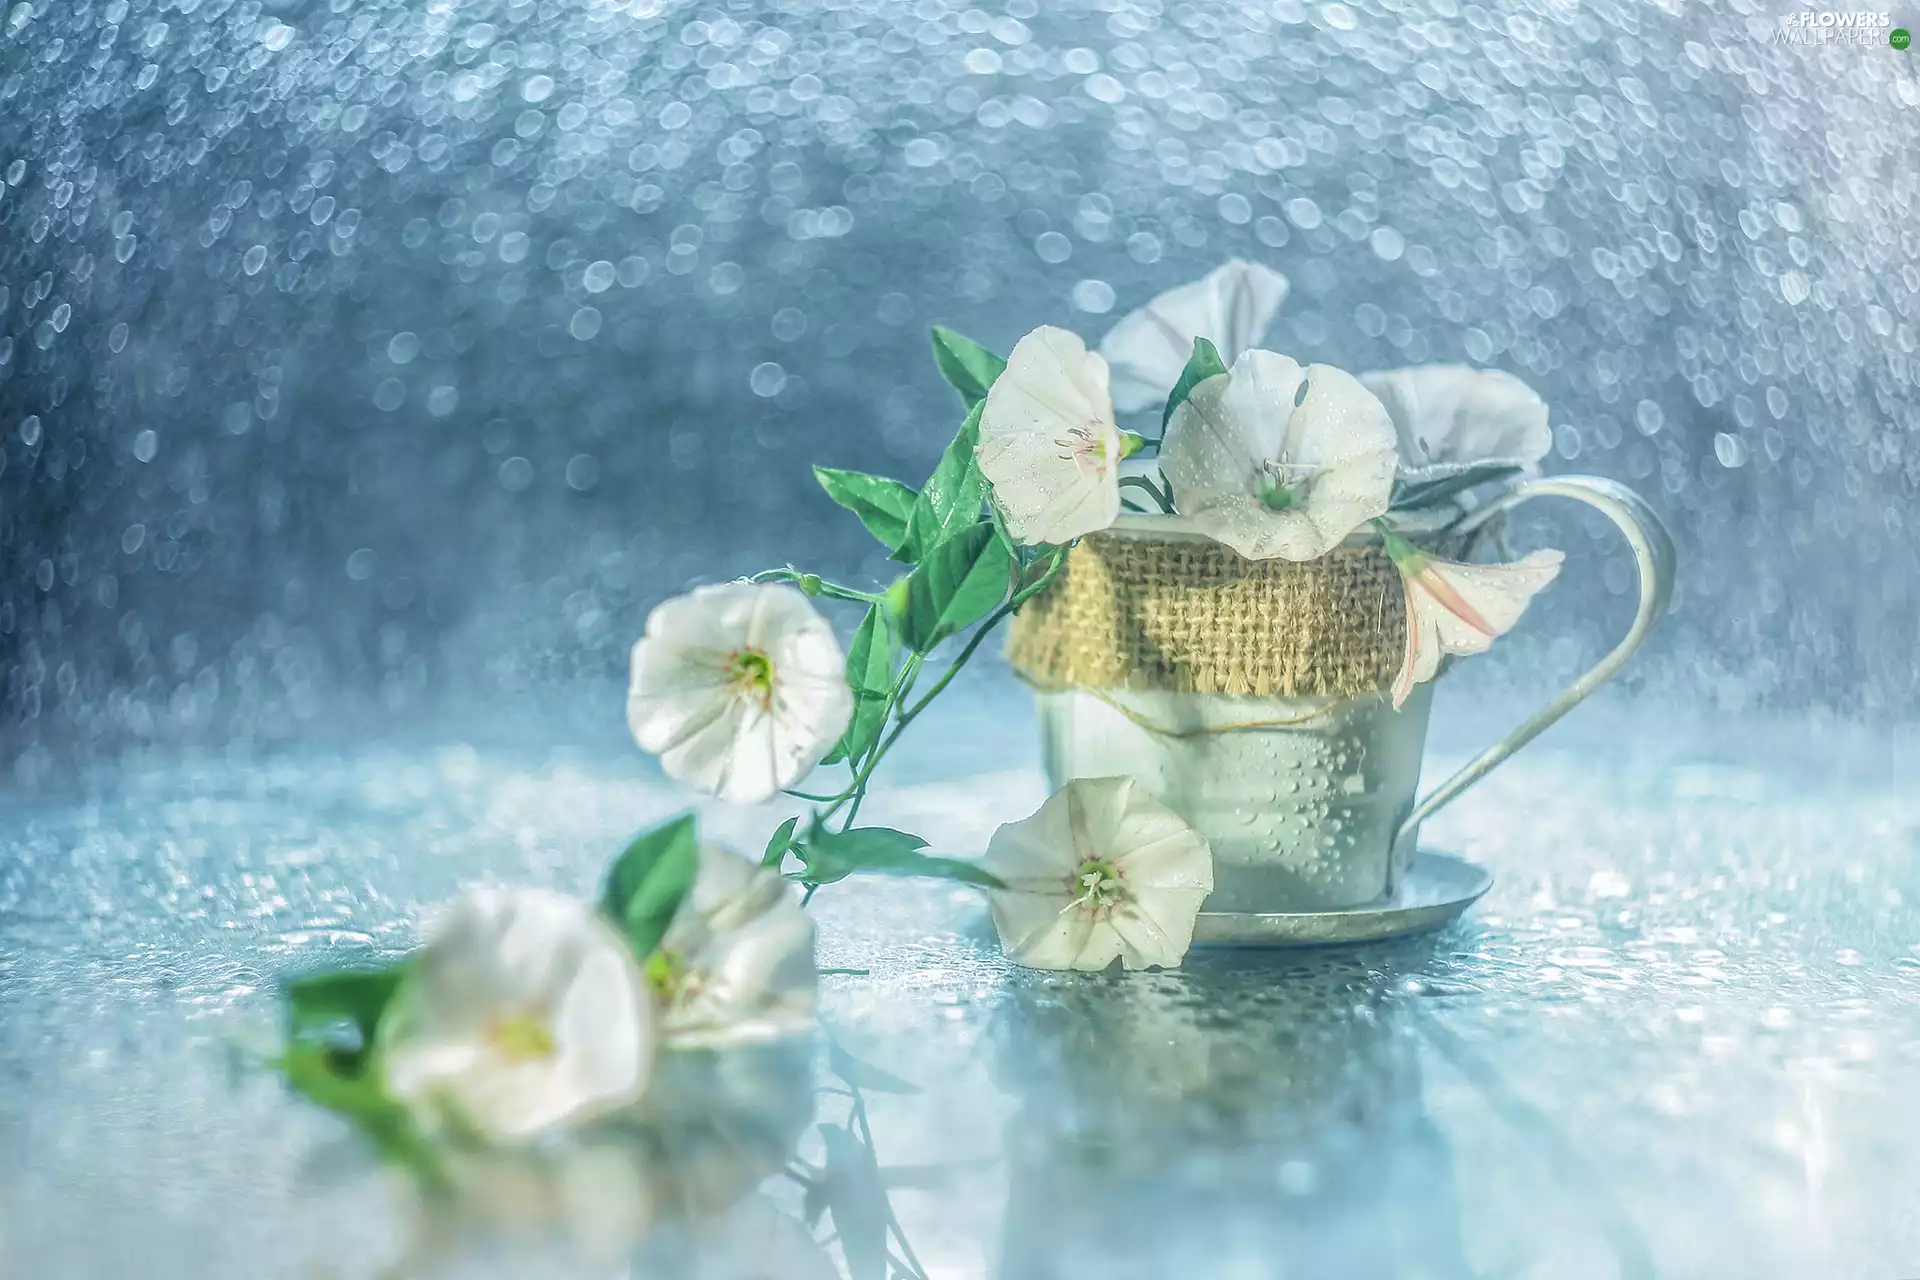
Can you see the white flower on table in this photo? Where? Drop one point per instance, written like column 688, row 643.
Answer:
column 1101, row 871
column 740, row 689
column 1460, row 608
column 1276, row 460
column 736, row 966
column 1449, row 417
column 1231, row 307
column 524, row 1013
column 1048, row 443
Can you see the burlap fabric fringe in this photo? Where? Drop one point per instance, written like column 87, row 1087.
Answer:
column 1192, row 616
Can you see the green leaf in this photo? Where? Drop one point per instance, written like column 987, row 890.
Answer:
column 1204, row 363
column 864, row 1075
column 858, row 1202
column 1433, row 492
column 314, row 1074
column 883, row 505
column 647, row 882
column 952, row 496
column 781, row 842
column 957, row 585
column 968, row 367
column 319, row 1003
column 870, row 676
column 831, row 856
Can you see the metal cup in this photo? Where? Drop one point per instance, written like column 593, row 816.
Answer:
column 1309, row 803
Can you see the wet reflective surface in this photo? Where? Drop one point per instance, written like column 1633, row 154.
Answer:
column 1679, row 1038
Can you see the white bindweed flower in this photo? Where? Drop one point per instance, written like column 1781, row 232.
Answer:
column 1460, row 608
column 1048, row 444
column 1101, row 871
column 740, row 689
column 1450, row 416
column 1276, row 460
column 1230, row 307
column 524, row 1013
column 736, row 966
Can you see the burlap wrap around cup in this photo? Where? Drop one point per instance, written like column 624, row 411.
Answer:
column 1186, row 614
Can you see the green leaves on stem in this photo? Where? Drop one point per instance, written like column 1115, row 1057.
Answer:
column 883, row 505
column 870, row 676
column 968, row 367
column 357, row 1097
column 332, row 1024
column 829, row 856
column 951, row 499
column 646, row 884
column 959, row 583
column 964, row 567
column 1430, row 493
column 781, row 841
column 322, row 1006
column 1204, row 363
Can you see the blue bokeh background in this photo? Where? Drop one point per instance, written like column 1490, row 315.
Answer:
column 369, row 364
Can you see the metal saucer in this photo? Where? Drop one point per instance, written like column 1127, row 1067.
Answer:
column 1437, row 888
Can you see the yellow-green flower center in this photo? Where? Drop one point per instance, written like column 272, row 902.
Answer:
column 750, row 671
column 522, row 1037
column 1097, row 885
column 1283, row 484
column 667, row 974
column 1277, row 495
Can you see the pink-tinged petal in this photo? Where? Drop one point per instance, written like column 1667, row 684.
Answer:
column 1404, row 682
column 1436, row 587
column 1460, row 608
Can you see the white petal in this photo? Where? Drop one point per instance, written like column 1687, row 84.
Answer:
column 1048, row 443
column 1037, row 850
column 525, row 954
column 1156, row 928
column 1226, row 441
column 1162, row 853
column 1038, row 935
column 1164, row 868
column 1231, row 307
column 748, row 947
column 732, row 757
column 683, row 706
column 1450, row 414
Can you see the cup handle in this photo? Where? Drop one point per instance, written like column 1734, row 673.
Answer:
column 1653, row 556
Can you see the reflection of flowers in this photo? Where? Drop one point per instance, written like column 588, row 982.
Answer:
column 1230, row 307
column 711, row 1127
column 736, row 965
column 524, row 1013
column 1048, row 444
column 1450, row 416
column 1102, row 871
column 1269, row 471
column 1459, row 608
column 740, row 689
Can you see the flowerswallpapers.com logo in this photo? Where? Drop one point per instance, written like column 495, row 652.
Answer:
column 1832, row 26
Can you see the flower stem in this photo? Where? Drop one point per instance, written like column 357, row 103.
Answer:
column 1160, row 496
column 909, row 672
column 814, row 584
